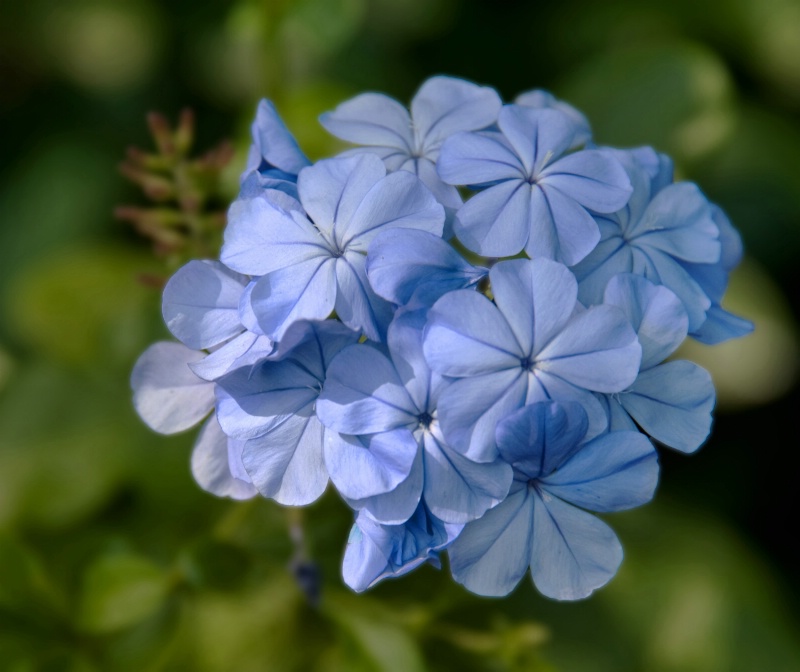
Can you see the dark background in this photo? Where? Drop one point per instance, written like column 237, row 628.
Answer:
column 110, row 556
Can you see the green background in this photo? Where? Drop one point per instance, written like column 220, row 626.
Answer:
column 111, row 558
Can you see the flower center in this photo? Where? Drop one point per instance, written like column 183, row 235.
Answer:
column 425, row 419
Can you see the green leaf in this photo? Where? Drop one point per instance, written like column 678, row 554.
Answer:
column 120, row 591
column 215, row 565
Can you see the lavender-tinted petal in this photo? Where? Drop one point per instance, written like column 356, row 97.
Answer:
column 655, row 313
column 594, row 178
column 476, row 159
column 261, row 238
column 273, row 143
column 540, row 98
column 398, row 200
column 306, row 290
column 467, row 335
column 496, row 222
column 365, row 466
column 492, row 554
column 611, row 256
column 201, row 304
column 405, row 263
column 720, row 325
column 363, row 394
column 405, row 346
column 227, row 357
column 536, row 298
column 538, row 136
column 561, row 228
column 286, row 464
column 210, row 464
column 470, row 409
column 446, row 105
column 539, row 437
column 558, row 389
column 446, row 194
column 166, row 394
column 356, row 304
column 573, row 552
column 673, row 403
column 613, row 472
column 597, row 350
column 371, row 119
column 457, row 489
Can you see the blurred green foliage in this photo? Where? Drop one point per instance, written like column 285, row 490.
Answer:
column 110, row 556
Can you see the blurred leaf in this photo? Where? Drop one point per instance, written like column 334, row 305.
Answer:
column 25, row 589
column 215, row 565
column 120, row 591
column 84, row 306
column 675, row 97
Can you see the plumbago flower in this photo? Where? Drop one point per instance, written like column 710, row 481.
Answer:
column 481, row 407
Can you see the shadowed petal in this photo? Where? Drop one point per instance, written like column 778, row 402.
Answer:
column 594, row 178
column 476, row 159
column 210, row 464
column 371, row 119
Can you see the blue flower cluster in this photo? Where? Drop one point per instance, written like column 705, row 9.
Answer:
column 464, row 323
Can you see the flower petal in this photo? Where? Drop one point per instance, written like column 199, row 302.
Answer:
column 371, row 119
column 593, row 177
column 210, row 466
column 356, row 304
column 477, row 159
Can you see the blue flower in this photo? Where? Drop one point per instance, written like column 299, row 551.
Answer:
column 543, row 523
column 275, row 159
column 441, row 107
column 534, row 197
column 533, row 343
column 375, row 552
column 672, row 401
column 270, row 408
column 661, row 229
column 395, row 454
column 311, row 261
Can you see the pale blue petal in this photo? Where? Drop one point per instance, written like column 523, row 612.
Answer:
column 655, row 313
column 457, row 489
column 398, row 200
column 246, row 315
column 398, row 505
column 476, row 159
column 573, row 552
column 365, row 466
column 597, row 350
column 405, row 263
column 229, row 356
column 492, row 554
column 446, row 105
column 314, row 344
column 363, row 394
column 261, row 238
column 356, row 304
column 304, row 291
column 561, row 228
column 673, row 403
column 540, row 98
column 539, row 437
column 201, row 304
column 611, row 256
column 537, row 299
column 470, row 409
column 594, row 178
column 210, row 464
column 446, row 194
column 371, row 119
column 557, row 389
column 273, row 143
column 679, row 222
column 287, row 464
column 537, row 136
column 467, row 336
column 253, row 401
column 405, row 346
column 618, row 418
column 613, row 472
column 720, row 325
column 166, row 394
column 496, row 222
column 235, row 464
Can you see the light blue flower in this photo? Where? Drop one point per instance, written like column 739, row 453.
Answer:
column 534, row 195
column 661, row 229
column 395, row 454
column 375, row 552
column 311, row 262
column 672, row 401
column 543, row 523
column 270, row 408
column 533, row 343
column 441, row 107
column 275, row 159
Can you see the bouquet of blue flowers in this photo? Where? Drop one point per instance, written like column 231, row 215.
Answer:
column 464, row 323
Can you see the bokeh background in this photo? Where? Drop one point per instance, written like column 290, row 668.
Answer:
column 112, row 559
